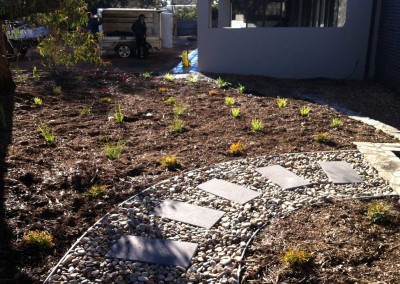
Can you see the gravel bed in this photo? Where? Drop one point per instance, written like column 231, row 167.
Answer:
column 220, row 248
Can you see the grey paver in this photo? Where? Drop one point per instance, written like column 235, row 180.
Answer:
column 283, row 177
column 158, row 251
column 229, row 190
column 188, row 213
column 340, row 172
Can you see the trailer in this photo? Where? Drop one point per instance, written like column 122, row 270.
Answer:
column 116, row 33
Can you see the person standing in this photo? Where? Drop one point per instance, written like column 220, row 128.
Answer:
column 139, row 29
column 93, row 23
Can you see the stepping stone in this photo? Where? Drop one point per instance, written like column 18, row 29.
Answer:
column 340, row 172
column 158, row 251
column 188, row 213
column 229, row 190
column 283, row 177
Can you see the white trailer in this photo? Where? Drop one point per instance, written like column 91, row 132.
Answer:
column 116, row 30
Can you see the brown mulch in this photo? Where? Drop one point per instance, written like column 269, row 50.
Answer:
column 45, row 185
column 345, row 246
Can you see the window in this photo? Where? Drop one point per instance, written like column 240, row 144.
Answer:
column 279, row 13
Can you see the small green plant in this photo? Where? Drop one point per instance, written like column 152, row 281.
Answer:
column 97, row 190
column 177, row 125
column 257, row 125
column 170, row 101
column 322, row 137
column 235, row 112
column 3, row 119
column 169, row 77
column 113, row 149
column 35, row 73
column 229, row 101
column 146, row 75
column 281, row 102
column 46, row 132
column 305, row 110
column 296, row 257
column 170, row 162
column 57, row 90
column 379, row 211
column 222, row 84
column 86, row 110
column 106, row 100
column 119, row 117
column 193, row 79
column 38, row 239
column 179, row 109
column 37, row 101
column 241, row 88
column 336, row 123
column 236, row 149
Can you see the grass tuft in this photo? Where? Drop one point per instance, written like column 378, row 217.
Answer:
column 97, row 190
column 379, row 211
column 229, row 101
column 169, row 77
column 177, row 126
column 305, row 110
column 38, row 239
column 235, row 112
column 118, row 115
column 336, row 123
column 222, row 84
column 46, row 132
column 37, row 101
column 281, row 102
column 170, row 162
column 295, row 257
column 257, row 125
column 113, row 149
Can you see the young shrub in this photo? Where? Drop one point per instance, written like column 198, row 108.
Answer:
column 169, row 77
column 336, row 123
column 193, row 79
column 305, row 110
column 170, row 162
column 146, row 75
column 37, row 101
column 46, row 132
column 235, row 112
column 119, row 117
column 97, row 191
column 106, row 100
column 257, row 125
column 296, row 257
column 229, row 101
column 86, row 110
column 41, row 240
column 236, row 149
column 57, row 90
column 379, row 211
column 281, row 102
column 170, row 101
column 113, row 150
column 322, row 137
column 177, row 126
column 241, row 89
column 222, row 84
column 179, row 109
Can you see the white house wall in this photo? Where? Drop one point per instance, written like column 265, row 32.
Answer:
column 287, row 52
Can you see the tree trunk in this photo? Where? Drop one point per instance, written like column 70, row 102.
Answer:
column 6, row 80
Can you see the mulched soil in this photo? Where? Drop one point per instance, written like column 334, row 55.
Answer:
column 45, row 186
column 345, row 246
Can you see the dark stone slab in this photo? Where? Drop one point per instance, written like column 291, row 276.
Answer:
column 283, row 177
column 229, row 190
column 188, row 213
column 340, row 172
column 158, row 251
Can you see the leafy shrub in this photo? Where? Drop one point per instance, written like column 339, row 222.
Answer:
column 186, row 13
column 177, row 126
column 305, row 110
column 242, row 89
column 169, row 77
column 38, row 101
column 281, row 102
column 235, row 112
column 336, row 123
column 170, row 162
column 295, row 257
column 179, row 109
column 229, row 101
column 46, row 132
column 170, row 101
column 113, row 150
column 38, row 239
column 96, row 191
column 222, row 84
column 379, row 211
column 236, row 149
column 257, row 125
column 119, row 117
column 322, row 137
column 146, row 75
column 57, row 90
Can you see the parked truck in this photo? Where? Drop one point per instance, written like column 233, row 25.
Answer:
column 116, row 30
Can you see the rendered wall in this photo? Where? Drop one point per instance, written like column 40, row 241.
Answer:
column 283, row 52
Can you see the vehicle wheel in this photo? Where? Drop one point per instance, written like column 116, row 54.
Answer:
column 124, row 51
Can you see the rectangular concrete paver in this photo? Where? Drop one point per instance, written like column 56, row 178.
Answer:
column 188, row 213
column 283, row 177
column 340, row 172
column 229, row 190
column 158, row 251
